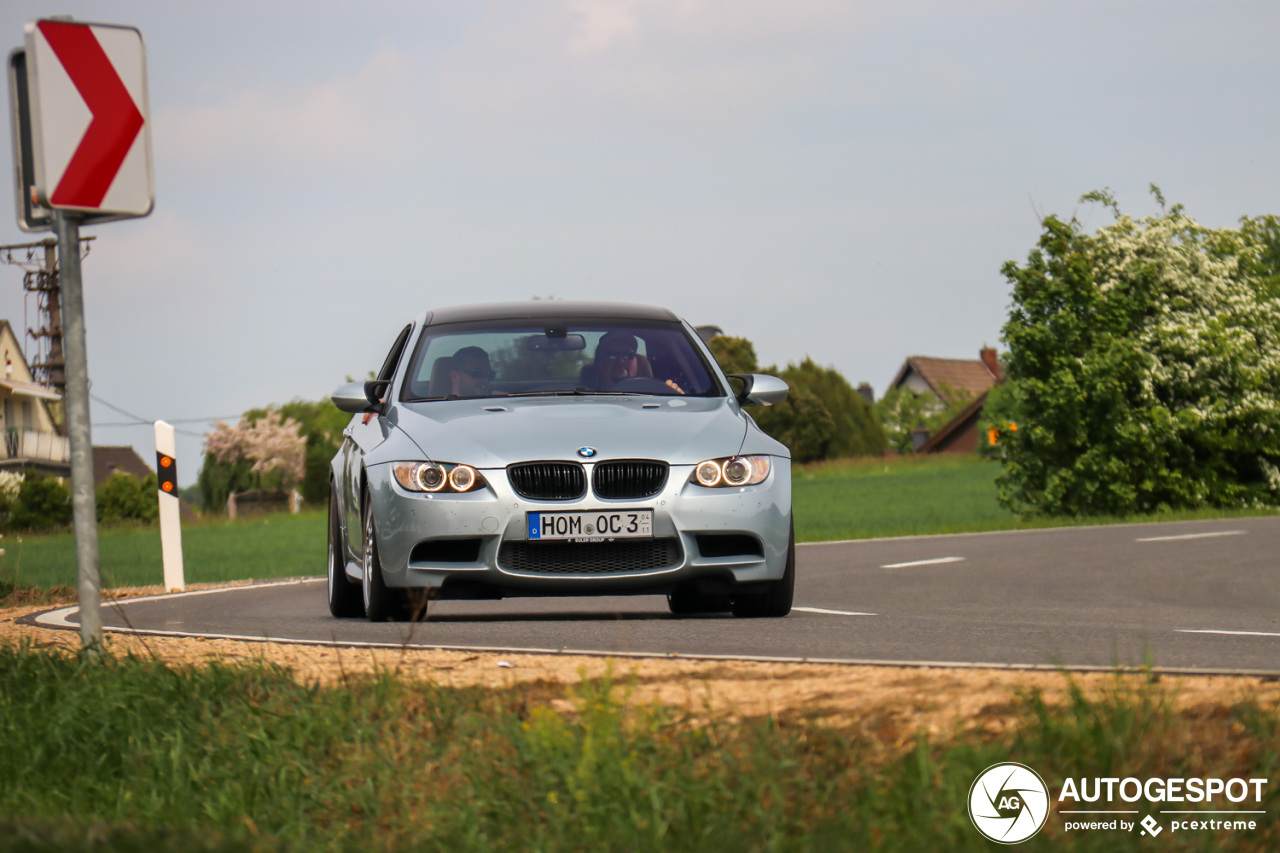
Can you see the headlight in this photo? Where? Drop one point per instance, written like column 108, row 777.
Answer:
column 437, row 477
column 731, row 471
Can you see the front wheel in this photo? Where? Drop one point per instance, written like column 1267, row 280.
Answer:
column 344, row 596
column 379, row 604
column 777, row 596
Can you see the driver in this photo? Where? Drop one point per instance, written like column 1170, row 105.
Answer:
column 617, row 360
column 470, row 373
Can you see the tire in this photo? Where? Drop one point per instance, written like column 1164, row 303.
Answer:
column 775, row 600
column 689, row 602
column 379, row 603
column 344, row 596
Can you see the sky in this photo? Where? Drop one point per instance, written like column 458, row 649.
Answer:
column 837, row 180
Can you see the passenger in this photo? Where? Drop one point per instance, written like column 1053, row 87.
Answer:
column 470, row 372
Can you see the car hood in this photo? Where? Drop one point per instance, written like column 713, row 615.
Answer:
column 495, row 432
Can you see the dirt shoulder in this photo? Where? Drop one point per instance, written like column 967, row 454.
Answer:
column 896, row 702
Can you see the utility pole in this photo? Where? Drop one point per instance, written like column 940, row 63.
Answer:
column 48, row 366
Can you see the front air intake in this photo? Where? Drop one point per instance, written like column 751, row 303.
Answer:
column 589, row 558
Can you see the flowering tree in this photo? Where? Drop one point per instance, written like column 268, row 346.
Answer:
column 1147, row 364
column 272, row 443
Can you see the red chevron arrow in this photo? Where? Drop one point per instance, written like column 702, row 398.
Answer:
column 116, row 118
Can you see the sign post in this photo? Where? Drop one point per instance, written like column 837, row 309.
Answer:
column 84, row 511
column 82, row 151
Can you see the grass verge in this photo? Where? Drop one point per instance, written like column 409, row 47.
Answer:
column 123, row 753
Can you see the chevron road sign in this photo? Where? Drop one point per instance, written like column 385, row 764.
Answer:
column 82, row 154
column 90, row 131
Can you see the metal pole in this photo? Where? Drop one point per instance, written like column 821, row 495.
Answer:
column 84, row 511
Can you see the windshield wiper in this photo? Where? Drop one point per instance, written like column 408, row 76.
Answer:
column 576, row 392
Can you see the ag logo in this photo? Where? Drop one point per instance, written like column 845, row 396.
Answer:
column 1008, row 802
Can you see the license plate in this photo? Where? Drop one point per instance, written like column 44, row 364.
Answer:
column 591, row 525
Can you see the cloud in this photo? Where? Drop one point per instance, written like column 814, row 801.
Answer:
column 330, row 125
column 163, row 254
column 602, row 21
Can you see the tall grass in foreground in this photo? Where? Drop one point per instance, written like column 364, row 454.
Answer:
column 126, row 754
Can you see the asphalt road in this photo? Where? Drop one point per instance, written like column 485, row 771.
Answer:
column 1186, row 596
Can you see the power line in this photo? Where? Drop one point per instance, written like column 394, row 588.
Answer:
column 139, row 420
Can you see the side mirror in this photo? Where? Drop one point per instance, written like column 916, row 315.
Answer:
column 360, row 397
column 760, row 389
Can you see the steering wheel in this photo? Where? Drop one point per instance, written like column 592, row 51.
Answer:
column 643, row 385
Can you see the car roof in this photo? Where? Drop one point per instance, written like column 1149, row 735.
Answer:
column 535, row 309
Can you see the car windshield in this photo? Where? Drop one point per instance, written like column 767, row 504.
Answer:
column 549, row 358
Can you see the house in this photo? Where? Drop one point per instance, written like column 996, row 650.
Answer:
column 109, row 460
column 33, row 438
column 945, row 376
column 972, row 375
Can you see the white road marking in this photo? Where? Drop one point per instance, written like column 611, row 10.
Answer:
column 1192, row 536
column 832, row 612
column 924, row 563
column 1230, row 633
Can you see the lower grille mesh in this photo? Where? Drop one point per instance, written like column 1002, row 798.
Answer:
column 589, row 558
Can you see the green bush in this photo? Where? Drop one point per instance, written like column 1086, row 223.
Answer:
column 902, row 411
column 43, row 503
column 124, row 497
column 1144, row 363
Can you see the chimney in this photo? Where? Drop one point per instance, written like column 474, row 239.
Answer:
column 992, row 361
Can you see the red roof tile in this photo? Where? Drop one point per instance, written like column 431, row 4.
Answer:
column 968, row 374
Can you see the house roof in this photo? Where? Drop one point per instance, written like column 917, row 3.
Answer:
column 967, row 374
column 969, row 415
column 29, row 389
column 107, row 460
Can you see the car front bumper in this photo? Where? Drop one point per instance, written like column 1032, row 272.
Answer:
column 476, row 543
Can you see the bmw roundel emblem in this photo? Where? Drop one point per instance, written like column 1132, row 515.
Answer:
column 587, row 452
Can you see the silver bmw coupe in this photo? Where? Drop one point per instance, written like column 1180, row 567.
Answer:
column 550, row 448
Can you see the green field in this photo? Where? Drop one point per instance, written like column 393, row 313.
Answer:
column 922, row 496
column 854, row 499
column 272, row 546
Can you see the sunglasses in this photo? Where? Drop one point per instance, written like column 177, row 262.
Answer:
column 484, row 373
column 620, row 355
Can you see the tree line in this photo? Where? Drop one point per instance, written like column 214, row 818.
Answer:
column 1142, row 364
